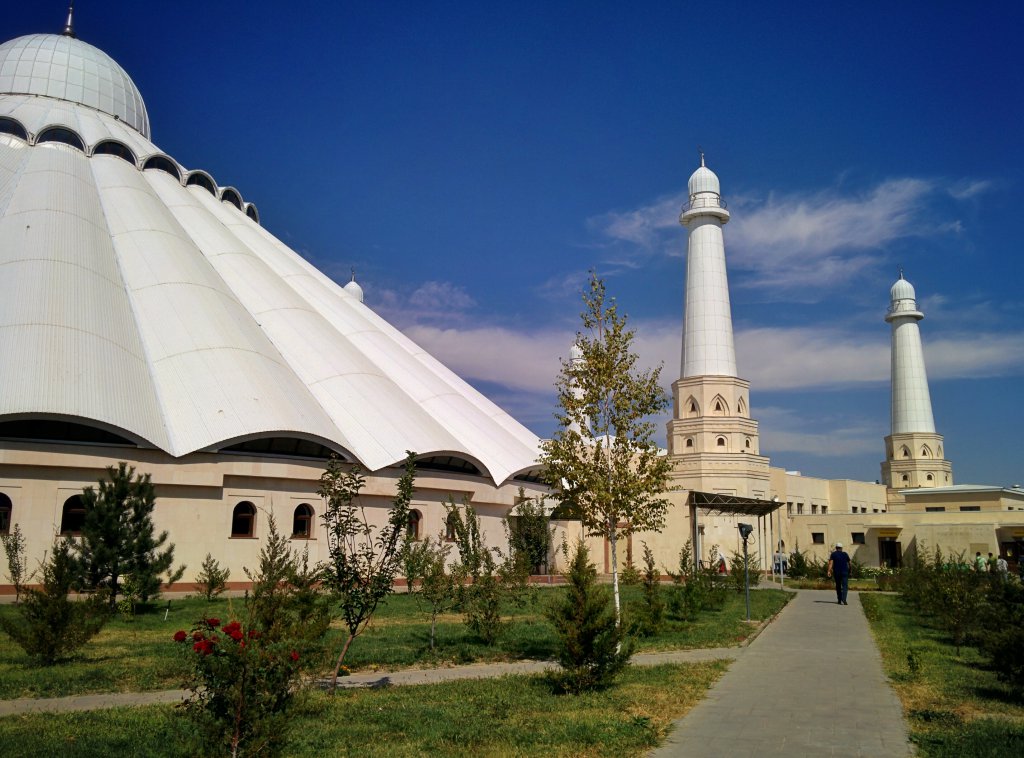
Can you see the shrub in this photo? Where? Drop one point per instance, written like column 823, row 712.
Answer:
column 14, row 548
column 592, row 650
column 48, row 626
column 484, row 576
column 649, row 616
column 242, row 686
column 212, row 579
column 1002, row 640
column 752, row 564
column 435, row 586
column 530, row 533
column 630, row 575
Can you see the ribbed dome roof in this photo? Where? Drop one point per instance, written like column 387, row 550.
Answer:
column 704, row 180
column 902, row 290
column 65, row 68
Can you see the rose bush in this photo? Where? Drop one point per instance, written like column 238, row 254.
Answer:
column 242, row 685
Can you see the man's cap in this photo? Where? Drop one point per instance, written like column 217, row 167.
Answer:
column 839, row 545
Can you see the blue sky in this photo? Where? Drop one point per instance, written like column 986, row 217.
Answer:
column 473, row 161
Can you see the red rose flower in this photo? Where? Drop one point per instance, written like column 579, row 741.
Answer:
column 294, row 656
column 196, row 636
column 213, row 622
column 179, row 636
column 205, row 647
column 233, row 630
column 254, row 634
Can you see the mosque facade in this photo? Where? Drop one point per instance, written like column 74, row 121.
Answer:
column 155, row 321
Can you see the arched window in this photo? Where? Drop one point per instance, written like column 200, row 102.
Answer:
column 114, row 148
column 905, row 478
column 691, row 408
column 930, row 478
column 741, row 407
column 302, row 522
column 412, row 529
column 746, row 443
column 251, row 212
column 926, row 452
column 72, row 517
column 10, row 126
column 449, row 526
column 243, row 520
column 720, row 442
column 904, row 452
column 689, row 442
column 230, row 196
column 162, row 163
column 62, row 135
column 201, row 180
column 6, row 506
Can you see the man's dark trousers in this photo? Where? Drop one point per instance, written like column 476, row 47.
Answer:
column 842, row 586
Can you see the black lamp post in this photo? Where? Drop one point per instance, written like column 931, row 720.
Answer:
column 745, row 530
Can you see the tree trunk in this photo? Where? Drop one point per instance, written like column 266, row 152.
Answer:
column 613, row 538
column 433, row 626
column 337, row 666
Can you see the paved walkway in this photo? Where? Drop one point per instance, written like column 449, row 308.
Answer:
column 362, row 680
column 810, row 685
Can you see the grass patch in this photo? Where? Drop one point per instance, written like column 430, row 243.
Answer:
column 515, row 715
column 858, row 585
column 130, row 656
column 955, row 705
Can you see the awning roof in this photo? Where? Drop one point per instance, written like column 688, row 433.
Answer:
column 716, row 503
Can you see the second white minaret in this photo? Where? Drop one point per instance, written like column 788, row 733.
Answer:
column 708, row 348
column 913, row 451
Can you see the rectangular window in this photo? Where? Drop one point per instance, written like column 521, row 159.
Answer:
column 857, row 538
column 799, row 509
column 824, row 510
column 814, row 509
column 934, row 509
column 789, row 509
column 864, row 509
column 818, row 538
column 970, row 507
column 874, row 510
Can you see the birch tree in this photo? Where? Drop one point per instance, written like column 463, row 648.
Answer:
column 602, row 459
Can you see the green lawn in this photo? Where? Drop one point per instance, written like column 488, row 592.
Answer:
column 139, row 655
column 955, row 705
column 497, row 717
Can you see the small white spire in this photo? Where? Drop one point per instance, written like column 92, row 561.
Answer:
column 69, row 25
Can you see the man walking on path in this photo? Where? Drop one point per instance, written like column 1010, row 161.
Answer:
column 839, row 567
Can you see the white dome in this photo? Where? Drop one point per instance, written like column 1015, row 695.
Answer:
column 704, row 180
column 902, row 290
column 354, row 290
column 65, row 68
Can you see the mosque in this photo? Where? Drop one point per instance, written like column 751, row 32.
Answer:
column 146, row 316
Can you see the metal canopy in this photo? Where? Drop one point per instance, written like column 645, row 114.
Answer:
column 715, row 503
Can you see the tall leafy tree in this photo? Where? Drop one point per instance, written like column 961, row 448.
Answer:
column 602, row 458
column 118, row 537
column 363, row 561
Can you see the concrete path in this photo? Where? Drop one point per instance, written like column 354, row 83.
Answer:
column 810, row 685
column 356, row 681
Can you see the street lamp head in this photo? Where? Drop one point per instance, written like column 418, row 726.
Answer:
column 745, row 531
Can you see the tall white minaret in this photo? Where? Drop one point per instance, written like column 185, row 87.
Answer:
column 707, row 324
column 913, row 451
column 712, row 440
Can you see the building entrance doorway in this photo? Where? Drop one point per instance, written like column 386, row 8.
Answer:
column 890, row 552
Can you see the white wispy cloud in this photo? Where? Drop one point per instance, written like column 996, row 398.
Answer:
column 796, row 244
column 785, row 431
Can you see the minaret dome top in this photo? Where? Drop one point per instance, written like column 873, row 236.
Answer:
column 704, row 180
column 902, row 290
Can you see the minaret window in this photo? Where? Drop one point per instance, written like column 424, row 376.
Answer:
column 741, row 406
column 689, row 442
column 925, row 452
column 930, row 478
column 692, row 411
column 720, row 442
column 905, row 478
column 904, row 452
column 746, row 443
column 721, row 408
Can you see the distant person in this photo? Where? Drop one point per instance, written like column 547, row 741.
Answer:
column 839, row 569
column 991, row 563
column 780, row 562
column 1003, row 568
column 979, row 562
